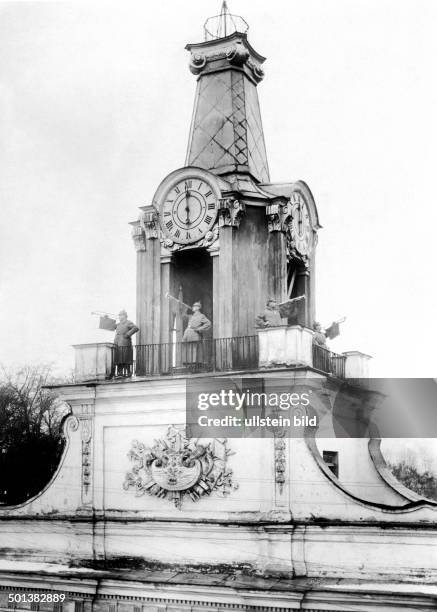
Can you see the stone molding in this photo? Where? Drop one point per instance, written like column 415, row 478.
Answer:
column 112, row 594
column 221, row 54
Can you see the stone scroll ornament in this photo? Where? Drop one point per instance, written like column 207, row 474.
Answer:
column 176, row 467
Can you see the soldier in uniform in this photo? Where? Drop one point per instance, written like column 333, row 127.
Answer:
column 319, row 337
column 123, row 353
column 197, row 325
column 270, row 317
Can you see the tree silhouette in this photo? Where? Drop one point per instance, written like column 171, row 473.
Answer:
column 31, row 441
column 424, row 483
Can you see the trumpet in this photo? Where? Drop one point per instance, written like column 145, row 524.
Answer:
column 102, row 313
column 171, row 297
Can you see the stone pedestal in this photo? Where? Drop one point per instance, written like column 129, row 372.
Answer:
column 93, row 361
column 285, row 346
column 357, row 364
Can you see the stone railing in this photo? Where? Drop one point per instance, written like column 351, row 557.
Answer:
column 93, row 361
column 293, row 346
column 271, row 348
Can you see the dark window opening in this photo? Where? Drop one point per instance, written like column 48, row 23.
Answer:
column 331, row 460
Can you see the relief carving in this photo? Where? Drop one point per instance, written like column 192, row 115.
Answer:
column 86, row 456
column 176, row 467
column 85, row 418
column 280, row 463
column 169, row 246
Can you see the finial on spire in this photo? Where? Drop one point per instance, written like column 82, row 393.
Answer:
column 224, row 24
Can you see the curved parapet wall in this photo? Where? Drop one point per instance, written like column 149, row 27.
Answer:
column 408, row 500
column 59, row 493
column 388, row 477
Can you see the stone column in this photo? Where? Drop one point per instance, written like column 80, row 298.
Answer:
column 148, row 247
column 165, row 288
column 223, row 285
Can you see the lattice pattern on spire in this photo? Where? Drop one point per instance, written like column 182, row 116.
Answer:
column 227, row 132
column 224, row 24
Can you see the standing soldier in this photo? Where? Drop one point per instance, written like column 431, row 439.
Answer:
column 123, row 353
column 319, row 337
column 197, row 324
column 270, row 317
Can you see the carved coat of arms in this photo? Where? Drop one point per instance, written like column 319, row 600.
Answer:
column 176, row 466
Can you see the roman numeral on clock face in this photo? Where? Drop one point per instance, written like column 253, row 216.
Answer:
column 167, row 213
column 188, row 184
column 188, row 236
column 208, row 194
column 177, row 233
column 208, row 219
column 211, row 206
column 169, row 225
column 177, row 189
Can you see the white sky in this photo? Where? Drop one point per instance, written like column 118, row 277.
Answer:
column 96, row 100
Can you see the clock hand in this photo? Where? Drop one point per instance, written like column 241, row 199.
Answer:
column 187, row 207
column 300, row 220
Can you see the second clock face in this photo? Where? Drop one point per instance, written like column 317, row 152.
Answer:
column 300, row 229
column 188, row 210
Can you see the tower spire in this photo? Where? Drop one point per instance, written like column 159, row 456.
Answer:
column 226, row 133
column 223, row 14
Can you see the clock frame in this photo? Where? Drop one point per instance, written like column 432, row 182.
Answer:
column 188, row 207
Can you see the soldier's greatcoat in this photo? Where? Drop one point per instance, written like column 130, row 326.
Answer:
column 123, row 343
column 197, row 323
column 269, row 318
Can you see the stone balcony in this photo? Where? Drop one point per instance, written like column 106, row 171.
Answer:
column 277, row 347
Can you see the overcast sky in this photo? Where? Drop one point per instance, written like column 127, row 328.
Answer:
column 96, row 101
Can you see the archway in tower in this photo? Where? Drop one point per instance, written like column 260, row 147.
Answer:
column 191, row 280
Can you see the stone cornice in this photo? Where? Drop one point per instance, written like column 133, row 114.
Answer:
column 233, row 51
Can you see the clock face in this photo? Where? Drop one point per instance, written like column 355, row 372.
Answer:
column 188, row 209
column 300, row 226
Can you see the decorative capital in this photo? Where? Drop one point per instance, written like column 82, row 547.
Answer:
column 274, row 217
column 224, row 53
column 278, row 215
column 230, row 212
column 149, row 222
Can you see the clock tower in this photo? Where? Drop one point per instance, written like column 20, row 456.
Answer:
column 218, row 230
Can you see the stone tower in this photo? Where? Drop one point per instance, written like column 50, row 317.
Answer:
column 218, row 230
